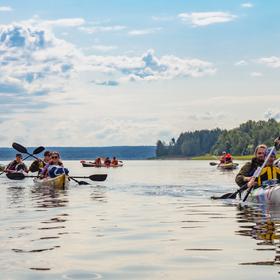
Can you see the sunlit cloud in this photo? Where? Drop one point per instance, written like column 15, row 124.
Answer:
column 241, row 63
column 247, row 5
column 206, row 18
column 273, row 61
column 5, row 9
column 141, row 32
column 256, row 74
column 100, row 29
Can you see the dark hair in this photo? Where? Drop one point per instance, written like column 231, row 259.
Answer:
column 19, row 155
column 47, row 153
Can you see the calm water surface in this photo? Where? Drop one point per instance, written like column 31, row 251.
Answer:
column 148, row 220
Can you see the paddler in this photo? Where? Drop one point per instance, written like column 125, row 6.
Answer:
column 39, row 164
column 16, row 165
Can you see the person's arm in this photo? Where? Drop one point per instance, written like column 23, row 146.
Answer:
column 243, row 175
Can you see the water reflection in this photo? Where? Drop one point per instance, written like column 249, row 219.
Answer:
column 262, row 223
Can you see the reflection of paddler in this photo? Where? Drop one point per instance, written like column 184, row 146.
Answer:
column 266, row 231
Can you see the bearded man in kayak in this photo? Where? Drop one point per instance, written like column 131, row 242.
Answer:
column 247, row 171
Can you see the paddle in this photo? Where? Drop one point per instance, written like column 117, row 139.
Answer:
column 23, row 150
column 231, row 195
column 258, row 172
column 21, row 176
column 213, row 163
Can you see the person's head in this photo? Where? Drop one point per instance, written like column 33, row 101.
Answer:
column 18, row 157
column 47, row 156
column 55, row 157
column 260, row 151
column 224, row 153
column 272, row 156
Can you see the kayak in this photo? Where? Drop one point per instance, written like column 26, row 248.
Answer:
column 267, row 194
column 92, row 164
column 59, row 182
column 227, row 166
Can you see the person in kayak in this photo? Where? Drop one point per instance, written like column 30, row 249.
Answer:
column 39, row 164
column 114, row 161
column 54, row 167
column 223, row 157
column 107, row 162
column 270, row 174
column 97, row 162
column 16, row 165
column 247, row 171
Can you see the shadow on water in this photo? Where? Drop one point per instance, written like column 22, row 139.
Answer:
column 261, row 223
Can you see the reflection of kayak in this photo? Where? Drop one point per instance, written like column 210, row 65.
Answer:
column 59, row 182
column 92, row 164
column 228, row 166
column 268, row 194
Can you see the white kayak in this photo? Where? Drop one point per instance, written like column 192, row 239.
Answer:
column 268, row 194
column 59, row 182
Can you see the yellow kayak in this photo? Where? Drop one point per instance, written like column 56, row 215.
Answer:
column 228, row 166
column 59, row 182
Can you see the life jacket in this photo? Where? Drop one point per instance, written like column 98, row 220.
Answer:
column 269, row 173
column 56, row 170
column 15, row 166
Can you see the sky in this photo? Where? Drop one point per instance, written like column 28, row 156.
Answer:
column 109, row 73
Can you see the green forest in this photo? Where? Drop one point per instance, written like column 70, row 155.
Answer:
column 238, row 141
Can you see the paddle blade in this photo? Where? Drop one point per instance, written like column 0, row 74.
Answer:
column 83, row 183
column 19, row 148
column 98, row 177
column 213, row 163
column 225, row 196
column 38, row 150
column 34, row 167
column 15, row 176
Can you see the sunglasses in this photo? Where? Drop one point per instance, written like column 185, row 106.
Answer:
column 54, row 157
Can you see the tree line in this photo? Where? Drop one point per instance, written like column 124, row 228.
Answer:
column 238, row 141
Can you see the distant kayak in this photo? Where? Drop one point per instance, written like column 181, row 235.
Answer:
column 2, row 167
column 92, row 164
column 228, row 166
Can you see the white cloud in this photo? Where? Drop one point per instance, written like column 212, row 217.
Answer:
column 162, row 18
column 96, row 29
column 141, row 32
column 206, row 18
column 247, row 5
column 5, row 9
column 102, row 48
column 256, row 74
column 273, row 61
column 241, row 63
column 272, row 114
column 67, row 22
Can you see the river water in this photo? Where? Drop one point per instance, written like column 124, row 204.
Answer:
column 148, row 220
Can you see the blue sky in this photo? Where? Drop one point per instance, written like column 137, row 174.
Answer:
column 99, row 73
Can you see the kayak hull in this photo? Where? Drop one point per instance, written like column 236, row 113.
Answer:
column 59, row 182
column 269, row 194
column 228, row 166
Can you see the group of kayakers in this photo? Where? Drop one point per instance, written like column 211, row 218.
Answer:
column 98, row 162
column 50, row 166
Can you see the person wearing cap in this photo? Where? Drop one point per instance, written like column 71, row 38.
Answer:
column 246, row 172
column 39, row 164
column 269, row 173
column 17, row 165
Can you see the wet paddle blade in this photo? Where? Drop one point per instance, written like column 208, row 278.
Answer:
column 83, row 183
column 213, row 163
column 19, row 148
column 98, row 177
column 15, row 176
